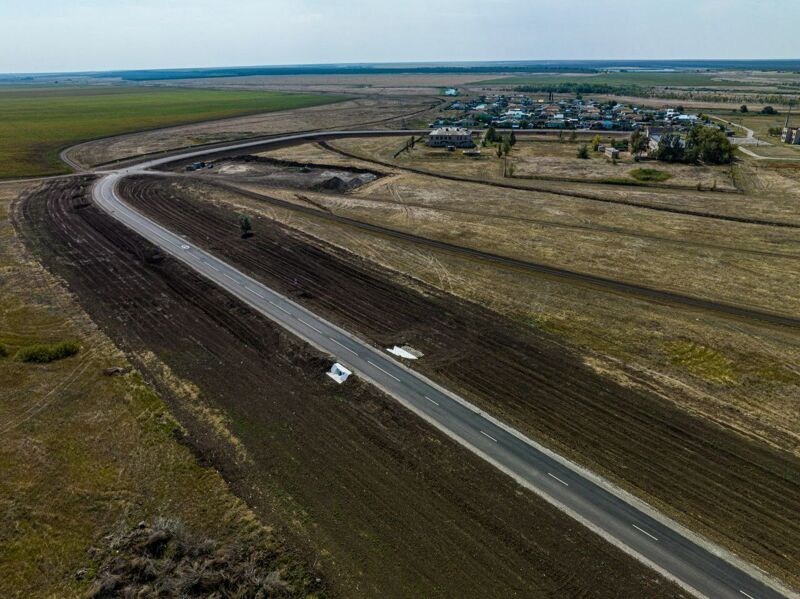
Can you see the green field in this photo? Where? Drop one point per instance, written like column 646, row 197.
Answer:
column 37, row 123
column 648, row 79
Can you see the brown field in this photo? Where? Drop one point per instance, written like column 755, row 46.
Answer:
column 85, row 457
column 555, row 395
column 777, row 208
column 400, row 84
column 376, row 112
column 386, row 505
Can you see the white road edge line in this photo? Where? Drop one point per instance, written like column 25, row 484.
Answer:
column 436, row 403
column 645, row 532
column 488, row 435
column 558, row 479
column 746, row 594
column 343, row 345
column 384, row 372
column 310, row 326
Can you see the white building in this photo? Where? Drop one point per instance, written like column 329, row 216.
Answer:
column 791, row 135
column 450, row 136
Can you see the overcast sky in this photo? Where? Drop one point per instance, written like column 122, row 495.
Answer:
column 74, row 35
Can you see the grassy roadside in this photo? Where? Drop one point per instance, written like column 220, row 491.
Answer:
column 86, row 457
column 36, row 123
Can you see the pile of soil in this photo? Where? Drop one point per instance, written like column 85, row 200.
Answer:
column 291, row 175
column 163, row 561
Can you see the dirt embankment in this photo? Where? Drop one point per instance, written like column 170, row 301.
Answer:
column 701, row 473
column 388, row 506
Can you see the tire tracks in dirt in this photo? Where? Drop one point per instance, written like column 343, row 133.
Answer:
column 603, row 283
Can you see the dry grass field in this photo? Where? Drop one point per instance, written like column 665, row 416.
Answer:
column 346, row 492
column 399, row 84
column 375, row 112
column 86, row 457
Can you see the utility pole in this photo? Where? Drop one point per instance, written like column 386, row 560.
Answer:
column 785, row 132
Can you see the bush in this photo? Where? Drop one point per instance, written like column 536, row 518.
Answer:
column 44, row 354
column 649, row 175
column 768, row 110
column 583, row 152
column 3, row 350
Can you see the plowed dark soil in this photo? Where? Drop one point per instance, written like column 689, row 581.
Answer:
column 388, row 506
column 737, row 490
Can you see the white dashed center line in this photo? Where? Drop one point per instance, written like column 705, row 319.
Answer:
column 488, row 435
column 279, row 307
column 645, row 532
column 436, row 403
column 558, row 479
column 383, row 371
column 746, row 595
column 343, row 345
column 310, row 326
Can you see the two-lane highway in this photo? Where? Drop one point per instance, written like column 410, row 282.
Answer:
column 700, row 567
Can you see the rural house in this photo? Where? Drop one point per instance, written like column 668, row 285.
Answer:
column 450, row 136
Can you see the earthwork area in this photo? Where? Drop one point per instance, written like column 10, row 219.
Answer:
column 336, row 468
column 638, row 317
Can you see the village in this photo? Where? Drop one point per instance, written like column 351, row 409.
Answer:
column 519, row 111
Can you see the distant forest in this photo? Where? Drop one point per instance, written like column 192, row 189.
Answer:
column 574, row 66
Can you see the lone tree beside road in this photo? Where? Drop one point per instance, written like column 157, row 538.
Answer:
column 743, row 108
column 245, row 225
column 583, row 152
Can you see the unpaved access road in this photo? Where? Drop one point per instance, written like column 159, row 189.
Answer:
column 705, row 570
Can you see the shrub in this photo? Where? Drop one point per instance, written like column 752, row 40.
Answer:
column 583, row 152
column 649, row 175
column 44, row 354
column 3, row 350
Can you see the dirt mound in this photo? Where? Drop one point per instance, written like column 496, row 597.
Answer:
column 162, row 560
column 333, row 184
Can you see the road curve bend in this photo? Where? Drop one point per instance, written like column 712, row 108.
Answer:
column 698, row 566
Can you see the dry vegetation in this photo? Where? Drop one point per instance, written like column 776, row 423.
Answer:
column 738, row 374
column 86, row 456
column 388, row 506
column 394, row 85
column 373, row 112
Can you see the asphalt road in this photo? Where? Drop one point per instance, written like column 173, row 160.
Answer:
column 678, row 554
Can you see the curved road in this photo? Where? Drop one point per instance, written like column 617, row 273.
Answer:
column 700, row 567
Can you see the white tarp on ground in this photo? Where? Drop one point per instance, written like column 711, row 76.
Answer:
column 405, row 352
column 339, row 373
